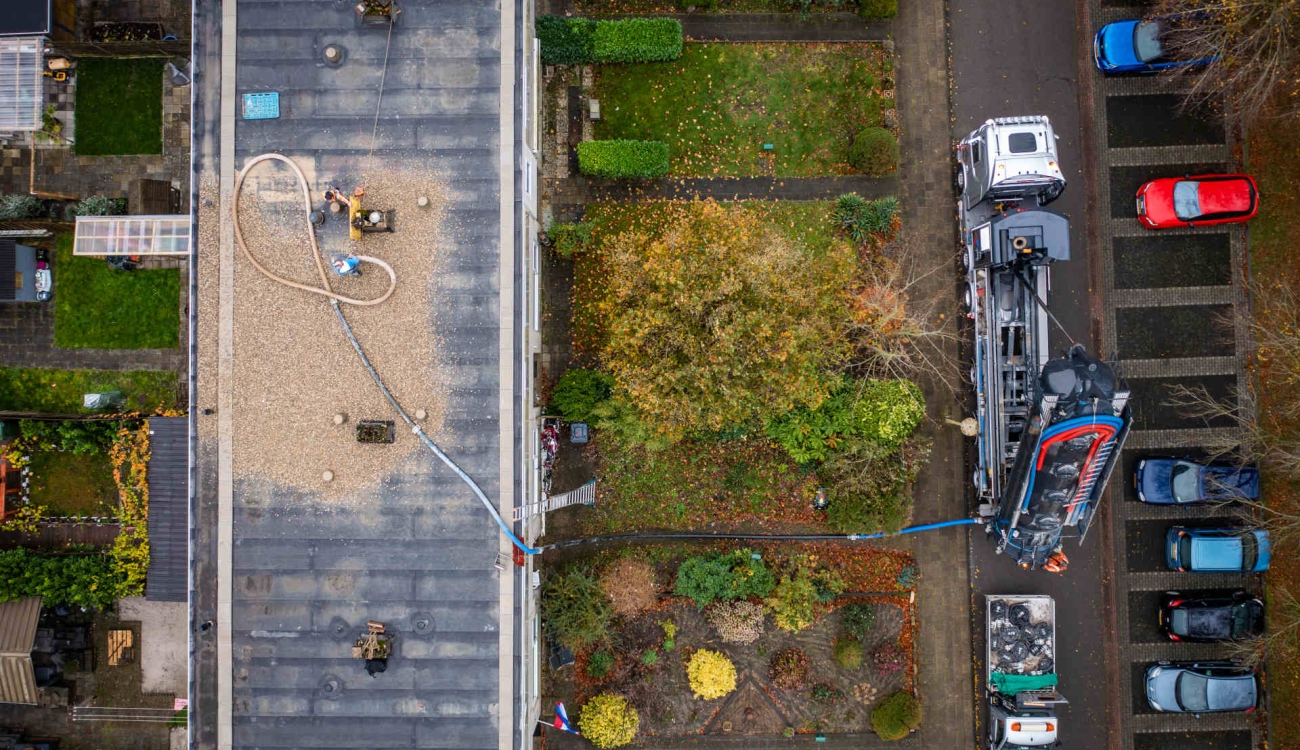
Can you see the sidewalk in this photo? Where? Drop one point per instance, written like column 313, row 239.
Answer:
column 927, row 200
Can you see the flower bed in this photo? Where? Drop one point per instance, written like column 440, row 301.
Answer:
column 684, row 675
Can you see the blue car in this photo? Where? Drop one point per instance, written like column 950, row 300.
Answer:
column 1174, row 481
column 1216, row 550
column 1135, row 47
column 1201, row 688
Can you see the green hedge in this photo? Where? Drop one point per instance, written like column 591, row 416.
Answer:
column 76, row 580
column 872, row 9
column 623, row 159
column 577, row 41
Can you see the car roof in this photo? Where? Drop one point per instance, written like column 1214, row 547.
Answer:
column 1230, row 691
column 1225, row 196
column 1214, row 552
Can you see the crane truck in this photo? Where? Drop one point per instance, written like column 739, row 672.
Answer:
column 1049, row 429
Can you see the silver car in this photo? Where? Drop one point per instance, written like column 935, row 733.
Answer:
column 1201, row 687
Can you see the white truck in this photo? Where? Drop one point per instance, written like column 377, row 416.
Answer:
column 1020, row 638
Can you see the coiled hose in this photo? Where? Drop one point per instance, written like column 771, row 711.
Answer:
column 335, row 299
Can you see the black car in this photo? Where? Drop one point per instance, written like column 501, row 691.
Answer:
column 1221, row 617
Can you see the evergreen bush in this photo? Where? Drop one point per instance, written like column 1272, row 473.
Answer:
column 579, row 391
column 874, row 152
column 575, row 609
column 859, row 620
column 734, row 575
column 895, row 716
column 623, row 159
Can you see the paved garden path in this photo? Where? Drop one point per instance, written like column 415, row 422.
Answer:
column 578, row 189
column 779, row 27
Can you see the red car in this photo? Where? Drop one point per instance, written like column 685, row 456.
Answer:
column 1197, row 201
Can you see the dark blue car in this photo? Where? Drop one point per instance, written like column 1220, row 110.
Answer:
column 1135, row 47
column 1174, row 481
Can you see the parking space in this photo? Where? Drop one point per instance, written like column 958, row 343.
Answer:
column 1162, row 261
column 1170, row 302
column 1153, row 120
column 1192, row 741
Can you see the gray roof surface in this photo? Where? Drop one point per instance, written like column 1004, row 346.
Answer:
column 308, row 575
column 169, row 510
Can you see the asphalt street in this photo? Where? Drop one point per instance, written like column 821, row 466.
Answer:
column 1020, row 58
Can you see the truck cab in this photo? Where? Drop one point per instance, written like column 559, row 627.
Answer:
column 1014, row 730
column 1010, row 159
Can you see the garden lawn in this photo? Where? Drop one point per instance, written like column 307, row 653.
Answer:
column 102, row 308
column 1274, row 152
column 719, row 104
column 60, row 391
column 807, row 222
column 119, row 106
column 70, row 485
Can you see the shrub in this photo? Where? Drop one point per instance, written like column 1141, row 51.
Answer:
column 631, row 586
column 650, row 657
column 889, row 659
column 575, row 609
column 21, row 206
column 578, row 41
column 565, row 41
column 859, row 620
column 623, row 159
column 850, row 513
column 569, row 238
column 737, row 622
column 579, row 391
column 91, row 581
column 608, row 720
column 861, row 218
column 734, row 575
column 83, row 438
column 637, row 40
column 599, row 664
column 98, row 205
column 872, row 9
column 809, row 434
column 711, row 674
column 825, row 694
column 888, row 411
column 847, row 653
column 895, row 716
column 670, row 634
column 788, row 669
column 620, row 420
column 883, row 411
column 874, row 152
column 793, row 602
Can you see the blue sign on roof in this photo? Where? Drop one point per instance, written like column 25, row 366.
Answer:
column 262, row 106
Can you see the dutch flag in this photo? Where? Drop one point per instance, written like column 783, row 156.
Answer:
column 562, row 720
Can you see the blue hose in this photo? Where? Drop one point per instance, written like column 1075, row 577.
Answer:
column 922, row 527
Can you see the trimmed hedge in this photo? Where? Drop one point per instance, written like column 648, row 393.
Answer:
column 874, row 152
column 872, row 9
column 896, row 716
column 75, row 580
column 578, row 41
column 623, row 159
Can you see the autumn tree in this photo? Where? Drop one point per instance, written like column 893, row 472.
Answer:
column 722, row 318
column 1253, row 48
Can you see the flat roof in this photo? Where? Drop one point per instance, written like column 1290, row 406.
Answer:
column 25, row 18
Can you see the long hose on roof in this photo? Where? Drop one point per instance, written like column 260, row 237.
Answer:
column 335, row 299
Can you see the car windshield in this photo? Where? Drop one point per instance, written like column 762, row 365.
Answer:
column 1178, row 621
column 1187, row 199
column 1240, row 621
column 1185, row 550
column 1183, row 481
column 1249, row 551
column 1146, row 41
column 1191, row 691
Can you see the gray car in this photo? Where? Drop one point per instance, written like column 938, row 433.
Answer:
column 1201, row 687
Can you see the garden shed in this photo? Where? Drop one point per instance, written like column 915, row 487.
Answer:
column 18, row 621
column 17, row 272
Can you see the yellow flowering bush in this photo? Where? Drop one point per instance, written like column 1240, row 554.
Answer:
column 711, row 674
column 608, row 720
